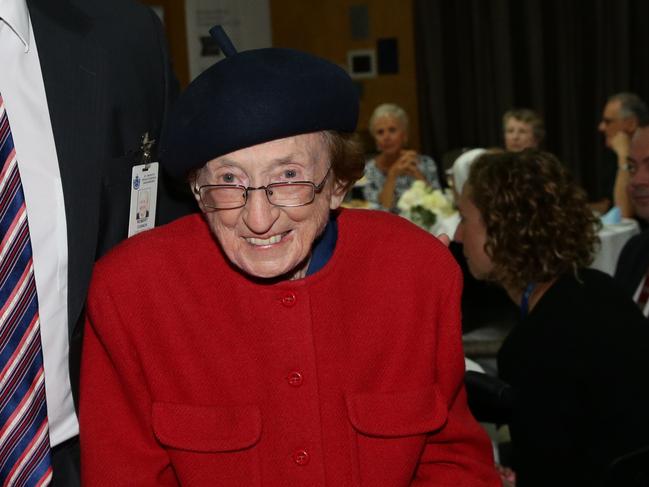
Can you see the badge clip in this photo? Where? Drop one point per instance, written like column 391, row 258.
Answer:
column 147, row 146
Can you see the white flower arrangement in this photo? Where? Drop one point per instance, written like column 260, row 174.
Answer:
column 424, row 205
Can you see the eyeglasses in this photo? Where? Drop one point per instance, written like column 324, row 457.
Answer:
column 233, row 196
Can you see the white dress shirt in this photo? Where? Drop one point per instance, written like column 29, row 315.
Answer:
column 21, row 86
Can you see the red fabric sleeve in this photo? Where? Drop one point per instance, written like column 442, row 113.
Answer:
column 117, row 441
column 460, row 453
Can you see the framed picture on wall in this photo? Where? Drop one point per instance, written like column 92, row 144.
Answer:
column 361, row 63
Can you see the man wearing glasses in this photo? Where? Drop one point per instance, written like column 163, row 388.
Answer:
column 622, row 115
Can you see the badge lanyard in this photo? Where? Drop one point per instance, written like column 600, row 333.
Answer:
column 525, row 301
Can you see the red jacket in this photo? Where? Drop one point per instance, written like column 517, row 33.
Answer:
column 193, row 374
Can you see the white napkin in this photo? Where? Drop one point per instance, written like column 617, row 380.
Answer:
column 612, row 216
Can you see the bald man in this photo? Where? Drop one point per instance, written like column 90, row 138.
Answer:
column 633, row 264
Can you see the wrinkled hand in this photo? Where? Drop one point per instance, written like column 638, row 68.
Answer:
column 406, row 165
column 620, row 144
column 445, row 239
column 507, row 476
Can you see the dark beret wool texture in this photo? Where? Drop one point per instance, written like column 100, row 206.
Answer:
column 254, row 97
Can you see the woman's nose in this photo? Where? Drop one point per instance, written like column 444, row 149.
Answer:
column 259, row 214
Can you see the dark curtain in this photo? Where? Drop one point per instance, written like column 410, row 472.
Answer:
column 562, row 58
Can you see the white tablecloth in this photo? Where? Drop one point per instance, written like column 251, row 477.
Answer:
column 613, row 237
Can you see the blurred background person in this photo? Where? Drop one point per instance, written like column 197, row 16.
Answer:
column 621, row 117
column 461, row 168
column 632, row 271
column 394, row 169
column 522, row 129
column 578, row 359
column 483, row 304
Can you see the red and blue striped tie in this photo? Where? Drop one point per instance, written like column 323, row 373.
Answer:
column 24, row 435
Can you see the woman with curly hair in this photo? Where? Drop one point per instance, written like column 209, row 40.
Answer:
column 578, row 359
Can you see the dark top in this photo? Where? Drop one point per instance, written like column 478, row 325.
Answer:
column 607, row 176
column 483, row 303
column 578, row 364
column 633, row 263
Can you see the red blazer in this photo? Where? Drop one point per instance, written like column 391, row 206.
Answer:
column 194, row 374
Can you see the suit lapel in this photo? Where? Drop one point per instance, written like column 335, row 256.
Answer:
column 641, row 259
column 74, row 77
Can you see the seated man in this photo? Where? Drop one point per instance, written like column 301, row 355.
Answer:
column 623, row 114
column 633, row 265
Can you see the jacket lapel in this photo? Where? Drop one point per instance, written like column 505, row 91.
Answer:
column 74, row 76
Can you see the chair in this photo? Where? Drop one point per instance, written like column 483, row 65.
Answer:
column 490, row 398
column 629, row 470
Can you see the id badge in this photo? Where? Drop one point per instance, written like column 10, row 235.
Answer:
column 144, row 192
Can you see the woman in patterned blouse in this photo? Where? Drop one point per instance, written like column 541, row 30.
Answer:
column 394, row 169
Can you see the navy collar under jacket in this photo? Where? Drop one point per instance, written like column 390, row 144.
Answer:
column 323, row 247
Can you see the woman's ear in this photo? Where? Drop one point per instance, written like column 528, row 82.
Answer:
column 193, row 187
column 337, row 195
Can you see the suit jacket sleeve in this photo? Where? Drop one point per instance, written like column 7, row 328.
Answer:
column 174, row 197
column 632, row 263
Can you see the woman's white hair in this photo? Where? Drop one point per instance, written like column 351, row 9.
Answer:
column 389, row 110
column 462, row 166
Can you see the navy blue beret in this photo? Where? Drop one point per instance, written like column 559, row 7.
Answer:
column 253, row 97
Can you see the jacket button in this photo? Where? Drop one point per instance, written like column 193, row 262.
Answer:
column 288, row 299
column 294, row 379
column 301, row 457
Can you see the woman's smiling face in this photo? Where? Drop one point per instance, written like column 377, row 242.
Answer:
column 261, row 239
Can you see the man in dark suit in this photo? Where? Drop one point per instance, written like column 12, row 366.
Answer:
column 82, row 81
column 633, row 265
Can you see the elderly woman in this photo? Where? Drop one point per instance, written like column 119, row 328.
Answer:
column 578, row 359
column 259, row 343
column 522, row 129
column 394, row 169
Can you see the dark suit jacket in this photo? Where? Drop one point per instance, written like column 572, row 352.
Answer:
column 107, row 81
column 633, row 263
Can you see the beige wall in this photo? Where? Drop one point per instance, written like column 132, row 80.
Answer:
column 323, row 28
column 175, row 30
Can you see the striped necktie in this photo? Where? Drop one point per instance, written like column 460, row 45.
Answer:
column 644, row 293
column 24, row 435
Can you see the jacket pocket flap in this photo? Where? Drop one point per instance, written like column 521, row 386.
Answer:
column 393, row 414
column 206, row 428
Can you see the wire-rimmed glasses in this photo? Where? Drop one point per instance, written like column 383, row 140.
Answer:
column 284, row 194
